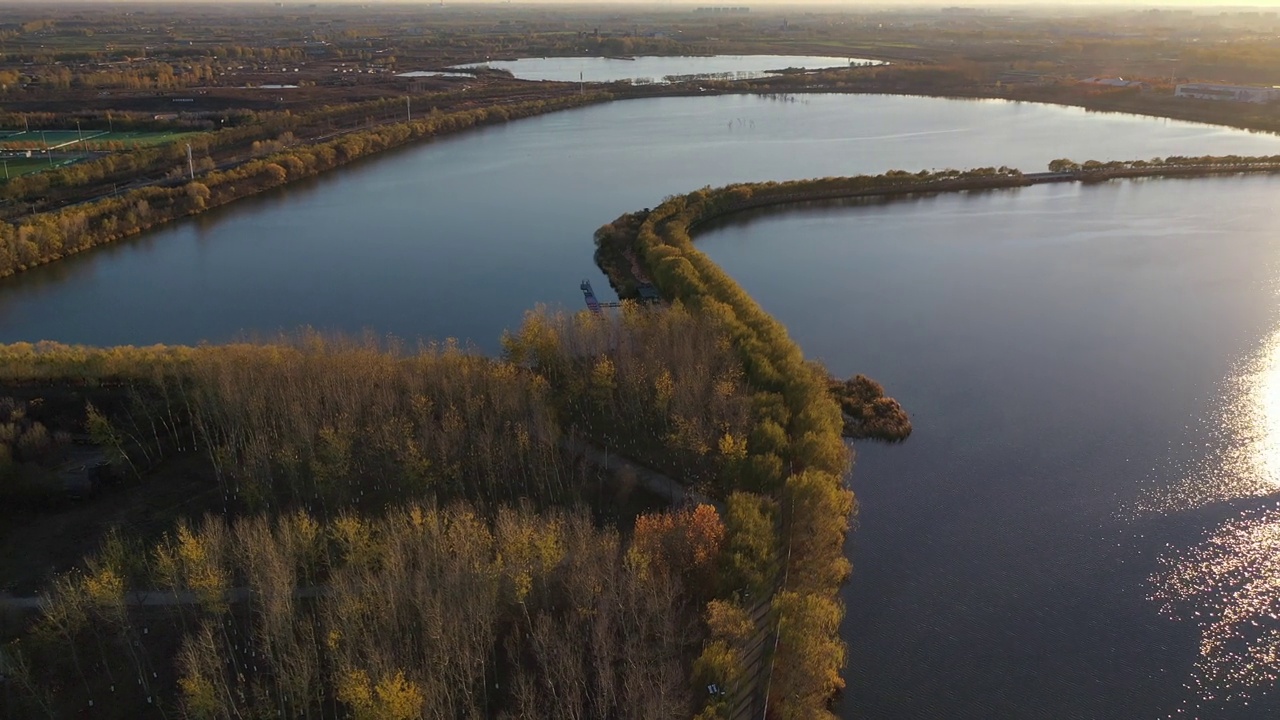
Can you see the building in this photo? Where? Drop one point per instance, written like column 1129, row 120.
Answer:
column 1230, row 93
column 1115, row 82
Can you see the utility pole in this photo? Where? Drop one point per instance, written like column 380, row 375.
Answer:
column 408, row 111
column 80, row 133
column 191, row 166
column 6, row 169
column 110, row 127
column 47, row 154
column 26, row 124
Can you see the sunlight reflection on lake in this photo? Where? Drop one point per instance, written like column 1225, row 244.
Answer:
column 1229, row 585
column 1242, row 457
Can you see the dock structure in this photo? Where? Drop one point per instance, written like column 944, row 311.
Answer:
column 590, row 296
column 593, row 304
column 648, row 295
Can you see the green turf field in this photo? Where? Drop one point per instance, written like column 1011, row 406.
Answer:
column 22, row 165
column 144, row 137
column 60, row 138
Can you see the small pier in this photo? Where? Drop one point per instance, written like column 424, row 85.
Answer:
column 593, row 304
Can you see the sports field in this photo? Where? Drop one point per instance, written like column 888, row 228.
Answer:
column 20, row 139
column 23, row 165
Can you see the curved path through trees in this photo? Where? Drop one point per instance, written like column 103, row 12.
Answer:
column 617, row 467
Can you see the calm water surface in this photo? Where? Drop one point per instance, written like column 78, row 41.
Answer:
column 650, row 68
column 1084, row 524
column 459, row 237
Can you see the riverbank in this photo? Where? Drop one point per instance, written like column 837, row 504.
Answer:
column 964, row 83
column 50, row 236
column 617, row 253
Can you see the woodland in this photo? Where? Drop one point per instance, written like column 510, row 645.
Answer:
column 406, row 533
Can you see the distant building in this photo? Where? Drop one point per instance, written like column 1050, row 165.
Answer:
column 728, row 10
column 1117, row 82
column 1230, row 93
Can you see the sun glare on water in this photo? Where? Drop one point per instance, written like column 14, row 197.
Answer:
column 1229, row 585
column 1254, row 461
column 1242, row 452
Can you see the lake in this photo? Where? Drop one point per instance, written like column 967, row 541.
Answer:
column 655, row 69
column 1089, row 368
column 1090, row 490
column 457, row 238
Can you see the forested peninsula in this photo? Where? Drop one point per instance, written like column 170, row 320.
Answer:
column 361, row 495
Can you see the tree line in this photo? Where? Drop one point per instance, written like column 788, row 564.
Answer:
column 1173, row 162
column 236, row 131
column 795, row 460
column 139, row 75
column 322, row 424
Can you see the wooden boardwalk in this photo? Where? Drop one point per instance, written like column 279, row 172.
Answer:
column 748, row 699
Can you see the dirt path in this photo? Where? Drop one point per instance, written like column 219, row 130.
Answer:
column 652, row 480
column 615, row 465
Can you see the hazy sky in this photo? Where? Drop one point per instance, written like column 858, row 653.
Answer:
column 859, row 4
column 1235, row 4
column 865, row 4
column 1101, row 4
column 873, row 4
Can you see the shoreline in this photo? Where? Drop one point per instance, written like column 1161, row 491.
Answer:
column 618, row 263
column 98, row 219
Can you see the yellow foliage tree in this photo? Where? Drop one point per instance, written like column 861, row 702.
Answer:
column 391, row 698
